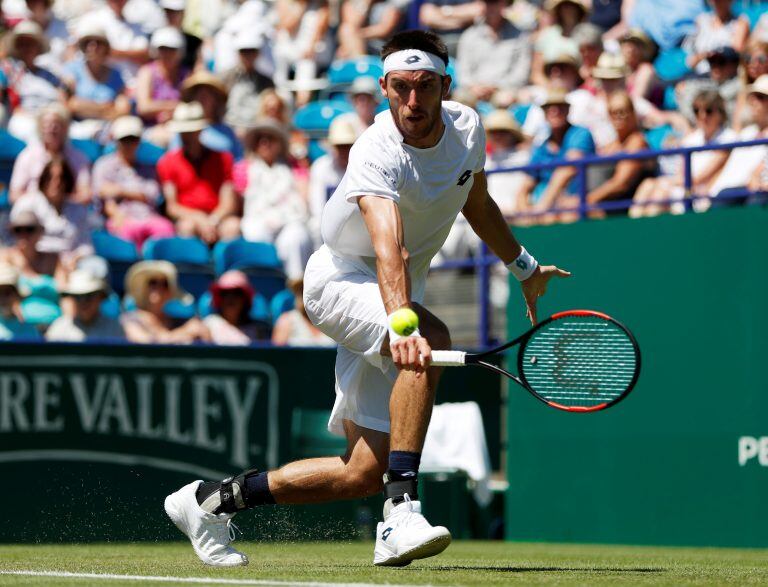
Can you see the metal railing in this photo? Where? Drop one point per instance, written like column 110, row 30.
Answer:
column 484, row 260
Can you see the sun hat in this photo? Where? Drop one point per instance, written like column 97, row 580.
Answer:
column 760, row 85
column 562, row 58
column 342, row 132
column 89, row 29
column 167, row 36
column 230, row 280
column 249, row 39
column 127, row 126
column 366, row 84
column 81, row 282
column 610, row 66
column 21, row 216
column 188, row 117
column 138, row 277
column 28, row 28
column 555, row 96
column 267, row 126
column 9, row 275
column 503, row 120
column 587, row 33
column 202, row 78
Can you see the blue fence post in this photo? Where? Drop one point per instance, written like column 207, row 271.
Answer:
column 582, row 175
column 484, row 283
column 687, row 181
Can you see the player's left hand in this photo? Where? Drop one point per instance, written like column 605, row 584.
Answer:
column 536, row 286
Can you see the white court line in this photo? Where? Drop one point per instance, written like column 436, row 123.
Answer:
column 196, row 580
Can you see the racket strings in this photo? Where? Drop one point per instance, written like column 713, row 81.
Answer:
column 579, row 361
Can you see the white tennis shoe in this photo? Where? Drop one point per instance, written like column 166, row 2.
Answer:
column 405, row 535
column 210, row 534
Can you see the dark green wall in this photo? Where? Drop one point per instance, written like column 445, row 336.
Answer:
column 663, row 466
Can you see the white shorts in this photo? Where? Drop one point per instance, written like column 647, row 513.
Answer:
column 344, row 302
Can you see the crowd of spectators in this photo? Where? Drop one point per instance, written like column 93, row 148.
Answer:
column 153, row 119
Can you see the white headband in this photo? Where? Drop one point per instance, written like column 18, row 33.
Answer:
column 413, row 60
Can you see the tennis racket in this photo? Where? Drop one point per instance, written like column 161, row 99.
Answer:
column 577, row 361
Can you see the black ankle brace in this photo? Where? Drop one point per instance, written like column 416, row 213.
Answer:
column 395, row 490
column 231, row 500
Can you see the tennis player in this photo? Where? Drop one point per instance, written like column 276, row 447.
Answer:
column 409, row 176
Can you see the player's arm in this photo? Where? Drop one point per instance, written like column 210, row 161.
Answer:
column 382, row 218
column 485, row 218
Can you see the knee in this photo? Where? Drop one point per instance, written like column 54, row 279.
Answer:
column 229, row 228
column 186, row 227
column 364, row 479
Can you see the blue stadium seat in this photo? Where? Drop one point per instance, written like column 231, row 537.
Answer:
column 191, row 257
column 110, row 307
column 257, row 260
column 520, row 112
column 10, row 147
column 282, row 302
column 315, row 118
column 119, row 253
column 345, row 71
column 670, row 65
column 315, row 149
column 90, row 148
column 259, row 307
column 657, row 136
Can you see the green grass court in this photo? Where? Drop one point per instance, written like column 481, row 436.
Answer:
column 464, row 563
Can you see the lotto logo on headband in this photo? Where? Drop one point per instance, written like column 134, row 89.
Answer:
column 413, row 60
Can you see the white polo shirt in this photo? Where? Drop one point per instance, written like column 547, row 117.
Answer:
column 429, row 185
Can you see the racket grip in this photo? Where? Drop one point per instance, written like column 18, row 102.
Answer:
column 448, row 358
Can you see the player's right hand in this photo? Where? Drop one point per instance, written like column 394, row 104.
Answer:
column 411, row 353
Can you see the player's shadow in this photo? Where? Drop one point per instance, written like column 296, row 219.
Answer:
column 502, row 569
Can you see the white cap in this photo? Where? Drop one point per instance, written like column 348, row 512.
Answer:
column 167, row 36
column 366, row 84
column 88, row 29
column 82, row 283
column 177, row 5
column 249, row 39
column 127, row 126
column 342, row 132
column 188, row 117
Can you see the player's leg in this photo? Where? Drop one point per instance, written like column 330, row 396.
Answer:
column 203, row 510
column 405, row 534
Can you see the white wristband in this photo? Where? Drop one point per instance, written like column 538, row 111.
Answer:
column 524, row 266
column 393, row 336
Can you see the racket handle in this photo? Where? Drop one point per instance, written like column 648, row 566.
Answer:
column 448, row 358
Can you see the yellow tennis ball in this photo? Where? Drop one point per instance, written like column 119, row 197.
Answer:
column 404, row 321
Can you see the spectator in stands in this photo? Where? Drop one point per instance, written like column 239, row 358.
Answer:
column 210, row 92
column 67, row 231
column 152, row 284
column 96, row 91
column 130, row 47
column 711, row 128
column 588, row 38
column 197, row 181
column 274, row 210
column 544, row 188
column 558, row 37
column 293, row 328
column 273, row 106
column 754, row 64
column 449, row 18
column 35, row 268
column 158, row 84
column 56, row 33
column 743, row 169
column 302, row 43
column 366, row 24
column 174, row 16
column 722, row 78
column 327, row 171
column 244, row 82
column 87, row 323
column 619, row 181
column 231, row 323
column 365, row 95
column 507, row 147
column 33, row 87
column 494, row 80
column 638, row 51
column 714, row 30
column 53, row 126
column 610, row 16
column 128, row 190
column 12, row 325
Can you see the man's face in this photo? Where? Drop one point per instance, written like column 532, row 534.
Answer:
column 415, row 99
column 365, row 106
column 87, row 306
column 190, row 140
column 758, row 104
column 556, row 115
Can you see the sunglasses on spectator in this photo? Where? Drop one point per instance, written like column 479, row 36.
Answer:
column 25, row 229
column 158, row 283
column 699, row 110
column 619, row 113
column 756, row 59
column 129, row 140
column 232, row 293
column 86, row 297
